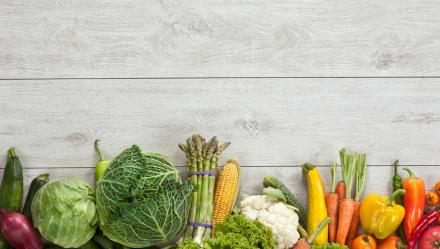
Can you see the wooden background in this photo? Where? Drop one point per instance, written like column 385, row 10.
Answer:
column 286, row 82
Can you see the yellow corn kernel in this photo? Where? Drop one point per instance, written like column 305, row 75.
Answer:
column 226, row 190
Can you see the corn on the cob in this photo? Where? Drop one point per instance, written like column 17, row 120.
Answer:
column 226, row 191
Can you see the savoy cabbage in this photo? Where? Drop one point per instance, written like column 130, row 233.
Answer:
column 140, row 199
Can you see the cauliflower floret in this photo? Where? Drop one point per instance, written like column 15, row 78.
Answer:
column 281, row 218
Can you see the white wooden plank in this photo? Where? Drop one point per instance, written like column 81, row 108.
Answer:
column 378, row 177
column 196, row 38
column 270, row 122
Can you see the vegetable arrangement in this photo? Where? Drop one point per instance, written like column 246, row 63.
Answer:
column 142, row 201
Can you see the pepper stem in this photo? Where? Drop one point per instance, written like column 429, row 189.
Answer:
column 98, row 151
column 366, row 239
column 410, row 172
column 395, row 165
column 12, row 153
column 394, row 195
column 401, row 245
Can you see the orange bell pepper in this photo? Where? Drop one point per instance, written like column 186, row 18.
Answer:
column 392, row 242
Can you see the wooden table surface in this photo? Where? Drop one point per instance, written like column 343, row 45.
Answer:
column 286, row 82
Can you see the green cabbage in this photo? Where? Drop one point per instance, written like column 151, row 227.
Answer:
column 64, row 212
column 141, row 201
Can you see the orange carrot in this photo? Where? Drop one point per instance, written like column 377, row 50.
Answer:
column 340, row 190
column 344, row 220
column 354, row 222
column 332, row 201
column 302, row 244
column 332, row 212
column 346, row 206
column 361, row 168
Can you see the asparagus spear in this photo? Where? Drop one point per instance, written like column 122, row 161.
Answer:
column 202, row 156
column 211, row 185
column 208, row 151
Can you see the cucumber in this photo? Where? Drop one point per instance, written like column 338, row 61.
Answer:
column 36, row 184
column 272, row 181
column 11, row 188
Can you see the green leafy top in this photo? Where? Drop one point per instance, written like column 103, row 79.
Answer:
column 141, row 200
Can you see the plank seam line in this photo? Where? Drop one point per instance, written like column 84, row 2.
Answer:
column 220, row 77
column 247, row 166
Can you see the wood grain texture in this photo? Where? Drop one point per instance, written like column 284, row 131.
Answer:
column 270, row 122
column 378, row 178
column 199, row 38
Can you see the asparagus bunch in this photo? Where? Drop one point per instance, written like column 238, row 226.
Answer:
column 202, row 156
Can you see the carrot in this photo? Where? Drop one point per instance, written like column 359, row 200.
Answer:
column 332, row 201
column 361, row 168
column 354, row 222
column 346, row 207
column 340, row 190
column 346, row 210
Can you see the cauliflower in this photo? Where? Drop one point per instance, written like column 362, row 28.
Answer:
column 281, row 218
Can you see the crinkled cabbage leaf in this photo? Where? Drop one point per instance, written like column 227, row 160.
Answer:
column 141, row 200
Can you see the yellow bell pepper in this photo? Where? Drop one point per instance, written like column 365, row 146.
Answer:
column 381, row 216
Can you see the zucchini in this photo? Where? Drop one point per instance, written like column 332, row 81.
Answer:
column 54, row 247
column 104, row 242
column 11, row 188
column 3, row 243
column 36, row 184
column 272, row 181
column 90, row 245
